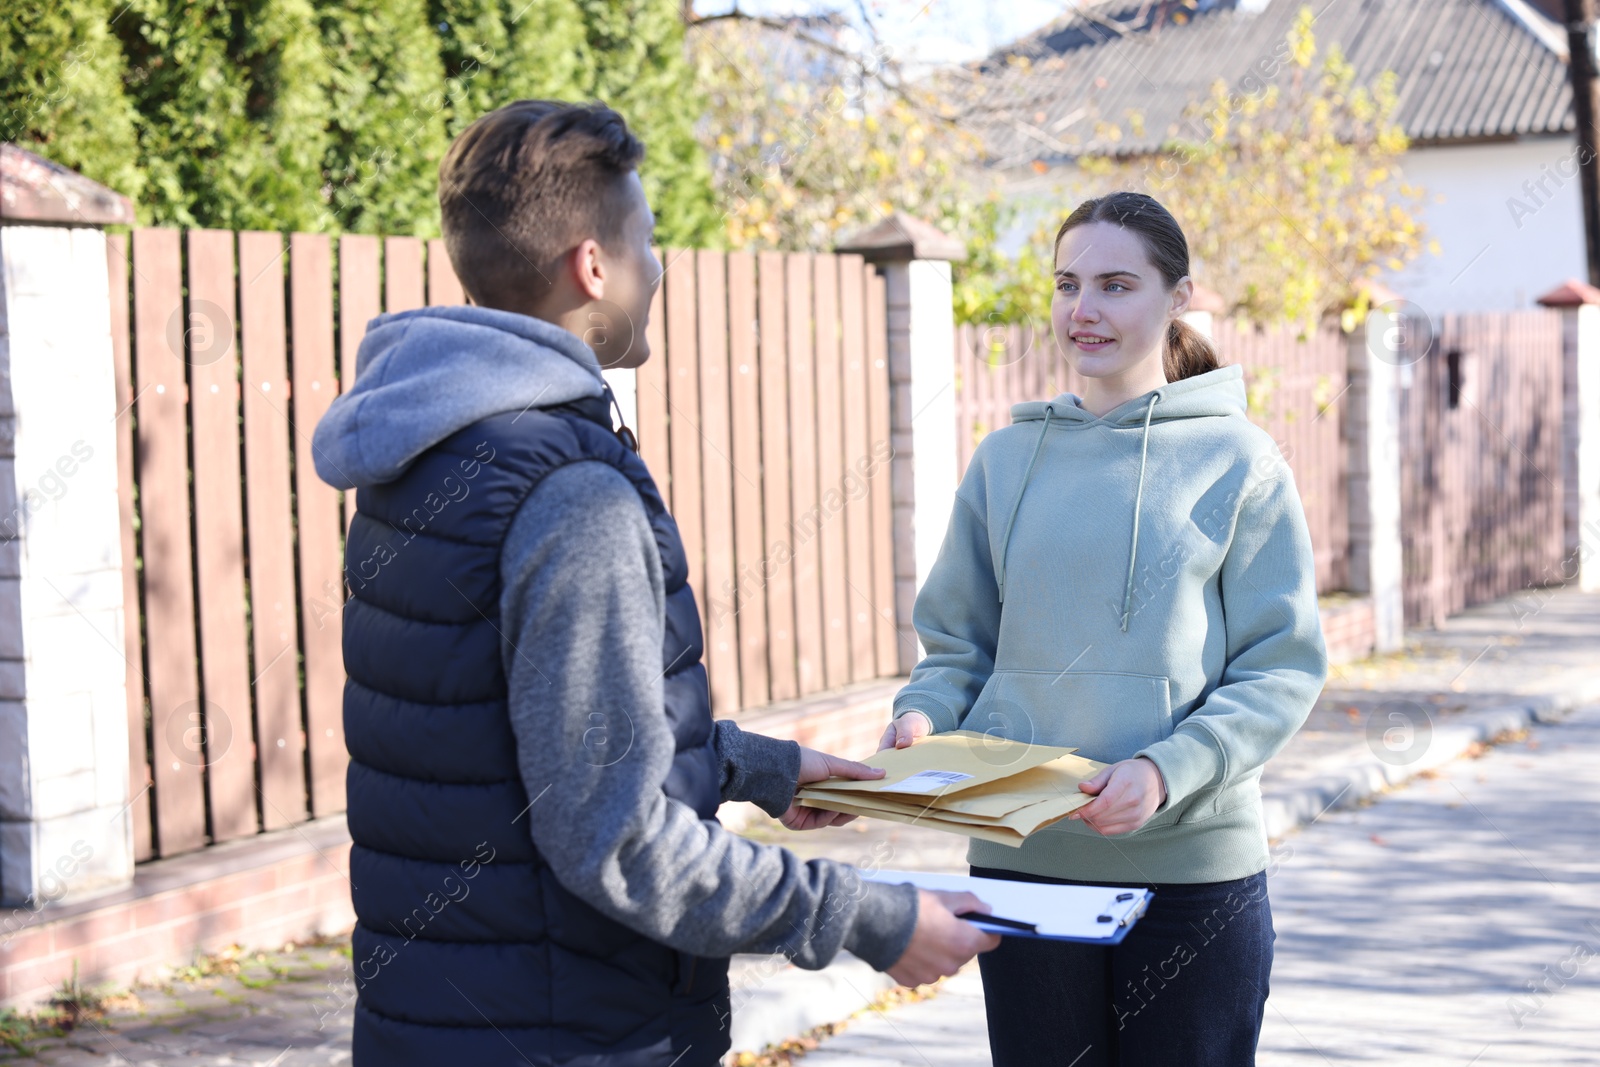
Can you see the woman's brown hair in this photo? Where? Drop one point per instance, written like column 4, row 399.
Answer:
column 1186, row 352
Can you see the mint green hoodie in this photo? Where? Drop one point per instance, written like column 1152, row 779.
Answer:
column 1138, row 584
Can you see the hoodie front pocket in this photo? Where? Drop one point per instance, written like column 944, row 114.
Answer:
column 1107, row 716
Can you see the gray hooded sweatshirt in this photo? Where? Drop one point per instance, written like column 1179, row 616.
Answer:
column 582, row 583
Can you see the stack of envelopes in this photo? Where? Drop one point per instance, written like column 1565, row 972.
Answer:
column 967, row 783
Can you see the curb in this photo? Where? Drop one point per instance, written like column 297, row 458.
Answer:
column 776, row 1003
column 1287, row 810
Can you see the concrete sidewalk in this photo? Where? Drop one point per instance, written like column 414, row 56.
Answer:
column 1494, row 670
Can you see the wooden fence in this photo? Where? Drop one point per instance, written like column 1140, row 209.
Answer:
column 763, row 414
column 766, row 424
column 1295, row 389
column 1481, row 478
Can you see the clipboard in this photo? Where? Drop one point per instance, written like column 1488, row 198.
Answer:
column 1087, row 914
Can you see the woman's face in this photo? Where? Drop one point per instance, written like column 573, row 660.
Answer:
column 1110, row 308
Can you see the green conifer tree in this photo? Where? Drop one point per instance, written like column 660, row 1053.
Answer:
column 497, row 51
column 288, row 102
column 230, row 104
column 386, row 117
column 61, row 91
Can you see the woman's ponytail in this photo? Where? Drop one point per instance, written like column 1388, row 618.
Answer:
column 1187, row 352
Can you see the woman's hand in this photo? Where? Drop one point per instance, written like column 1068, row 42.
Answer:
column 1125, row 795
column 814, row 767
column 905, row 731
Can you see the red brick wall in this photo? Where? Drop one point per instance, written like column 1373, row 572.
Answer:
column 137, row 933
column 1348, row 629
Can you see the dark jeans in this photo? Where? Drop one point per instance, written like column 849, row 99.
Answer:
column 1186, row 988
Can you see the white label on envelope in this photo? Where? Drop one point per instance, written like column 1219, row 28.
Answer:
column 929, row 781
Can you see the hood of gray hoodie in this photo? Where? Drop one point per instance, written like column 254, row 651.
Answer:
column 422, row 375
column 1216, row 393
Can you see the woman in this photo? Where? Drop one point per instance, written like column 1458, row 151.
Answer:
column 1129, row 573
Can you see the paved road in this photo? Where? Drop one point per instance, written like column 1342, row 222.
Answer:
column 1408, row 931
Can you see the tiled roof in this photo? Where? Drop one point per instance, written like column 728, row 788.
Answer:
column 1465, row 69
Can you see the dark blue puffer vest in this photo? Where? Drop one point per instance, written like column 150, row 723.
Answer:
column 467, row 950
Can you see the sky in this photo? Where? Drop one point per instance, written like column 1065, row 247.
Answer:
column 923, row 31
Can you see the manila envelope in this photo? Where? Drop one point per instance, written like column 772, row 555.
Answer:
column 1000, row 835
column 1005, row 809
column 1055, row 780
column 944, row 764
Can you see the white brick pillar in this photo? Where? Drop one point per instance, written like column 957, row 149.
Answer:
column 65, row 828
column 1380, row 354
column 1579, row 303
column 914, row 258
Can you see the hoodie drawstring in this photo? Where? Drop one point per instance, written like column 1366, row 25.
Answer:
column 1006, row 546
column 625, row 435
column 1133, row 547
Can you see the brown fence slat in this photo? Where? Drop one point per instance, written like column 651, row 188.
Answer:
column 716, row 485
column 402, row 274
column 983, row 382
column 803, row 476
column 650, row 392
column 164, row 533
column 830, row 472
column 360, row 281
column 443, row 285
column 966, row 413
column 854, row 482
column 219, row 534
column 263, row 350
column 744, row 390
column 683, row 414
column 882, row 487
column 778, row 544
column 132, row 653
column 317, row 520
column 359, row 299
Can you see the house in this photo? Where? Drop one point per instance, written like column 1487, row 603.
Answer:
column 1483, row 95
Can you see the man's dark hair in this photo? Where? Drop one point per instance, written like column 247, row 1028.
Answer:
column 525, row 184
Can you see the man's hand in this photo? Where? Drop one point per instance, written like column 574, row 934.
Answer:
column 814, row 767
column 905, row 731
column 941, row 943
column 1125, row 795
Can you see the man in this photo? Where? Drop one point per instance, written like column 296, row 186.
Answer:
column 537, row 872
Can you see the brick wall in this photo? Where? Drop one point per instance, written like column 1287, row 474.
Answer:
column 1349, row 627
column 270, row 889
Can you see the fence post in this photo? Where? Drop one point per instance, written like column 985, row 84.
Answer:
column 1376, row 353
column 1579, row 304
column 65, row 828
column 914, row 258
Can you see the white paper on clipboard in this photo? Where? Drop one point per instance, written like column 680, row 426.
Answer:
column 1061, row 912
